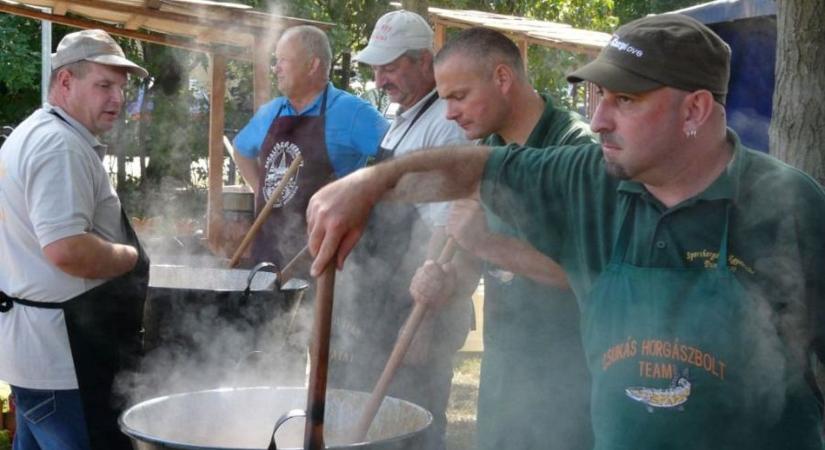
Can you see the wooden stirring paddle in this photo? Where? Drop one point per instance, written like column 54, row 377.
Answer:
column 264, row 214
column 397, row 356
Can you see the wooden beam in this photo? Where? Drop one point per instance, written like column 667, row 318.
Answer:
column 135, row 22
column 522, row 48
column 440, row 37
column 153, row 4
column 151, row 13
column 171, row 41
column 60, row 8
column 214, row 205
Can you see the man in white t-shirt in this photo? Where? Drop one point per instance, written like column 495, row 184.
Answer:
column 74, row 275
column 372, row 298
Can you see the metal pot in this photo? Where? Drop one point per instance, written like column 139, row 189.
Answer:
column 184, row 303
column 243, row 419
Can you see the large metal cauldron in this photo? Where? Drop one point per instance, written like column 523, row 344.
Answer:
column 243, row 419
column 186, row 306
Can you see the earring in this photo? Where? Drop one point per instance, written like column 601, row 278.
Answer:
column 691, row 133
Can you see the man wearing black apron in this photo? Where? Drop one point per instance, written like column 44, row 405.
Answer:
column 696, row 262
column 333, row 131
column 373, row 298
column 74, row 274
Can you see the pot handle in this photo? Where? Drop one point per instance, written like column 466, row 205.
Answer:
column 289, row 415
column 254, row 271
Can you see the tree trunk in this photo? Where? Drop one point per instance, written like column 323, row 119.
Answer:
column 346, row 68
column 418, row 6
column 796, row 133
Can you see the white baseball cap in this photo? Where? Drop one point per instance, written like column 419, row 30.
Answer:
column 395, row 33
column 95, row 46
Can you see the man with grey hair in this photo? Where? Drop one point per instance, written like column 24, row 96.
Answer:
column 373, row 297
column 74, row 274
column 333, row 131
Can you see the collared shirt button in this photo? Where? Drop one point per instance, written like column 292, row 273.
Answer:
column 661, row 244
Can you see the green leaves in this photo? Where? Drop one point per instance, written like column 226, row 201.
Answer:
column 19, row 67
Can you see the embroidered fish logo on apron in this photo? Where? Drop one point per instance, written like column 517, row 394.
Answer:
column 674, row 396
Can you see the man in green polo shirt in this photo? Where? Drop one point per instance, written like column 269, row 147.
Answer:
column 533, row 363
column 694, row 260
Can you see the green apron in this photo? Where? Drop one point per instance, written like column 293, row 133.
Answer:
column 683, row 358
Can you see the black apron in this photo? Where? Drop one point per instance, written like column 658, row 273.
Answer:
column 379, row 270
column 284, row 233
column 104, row 326
column 375, row 302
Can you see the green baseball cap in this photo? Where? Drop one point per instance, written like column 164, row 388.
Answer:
column 671, row 50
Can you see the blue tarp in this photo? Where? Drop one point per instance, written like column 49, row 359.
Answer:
column 749, row 26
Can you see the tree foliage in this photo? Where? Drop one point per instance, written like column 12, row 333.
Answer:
column 19, row 68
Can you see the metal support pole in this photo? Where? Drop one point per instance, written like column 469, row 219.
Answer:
column 46, row 57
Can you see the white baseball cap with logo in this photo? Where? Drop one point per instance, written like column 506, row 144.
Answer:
column 395, row 33
column 95, row 46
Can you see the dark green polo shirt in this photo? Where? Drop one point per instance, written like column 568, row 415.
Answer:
column 569, row 208
column 534, row 363
column 555, row 127
column 521, row 315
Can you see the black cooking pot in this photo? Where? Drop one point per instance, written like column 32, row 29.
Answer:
column 243, row 419
column 187, row 305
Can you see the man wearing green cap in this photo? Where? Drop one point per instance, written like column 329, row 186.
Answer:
column 695, row 261
column 74, row 275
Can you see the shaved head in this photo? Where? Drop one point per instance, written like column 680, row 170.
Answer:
column 486, row 48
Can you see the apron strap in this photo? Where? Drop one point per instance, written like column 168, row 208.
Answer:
column 621, row 243
column 320, row 113
column 7, row 303
column 722, row 264
column 384, row 153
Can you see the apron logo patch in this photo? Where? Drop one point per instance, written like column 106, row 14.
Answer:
column 276, row 165
column 710, row 259
column 674, row 396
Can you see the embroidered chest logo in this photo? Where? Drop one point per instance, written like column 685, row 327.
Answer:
column 711, row 257
column 276, row 165
column 672, row 397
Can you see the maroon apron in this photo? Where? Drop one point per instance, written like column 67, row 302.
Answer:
column 284, row 233
column 105, row 331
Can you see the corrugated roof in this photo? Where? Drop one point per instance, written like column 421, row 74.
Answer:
column 539, row 32
column 228, row 28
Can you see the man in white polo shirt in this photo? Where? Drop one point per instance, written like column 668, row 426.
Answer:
column 372, row 298
column 74, row 275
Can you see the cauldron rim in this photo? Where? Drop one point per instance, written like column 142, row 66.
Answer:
column 135, row 434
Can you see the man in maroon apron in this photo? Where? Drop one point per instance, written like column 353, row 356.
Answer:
column 332, row 130
column 74, row 274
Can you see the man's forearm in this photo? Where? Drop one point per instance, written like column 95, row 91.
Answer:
column 248, row 168
column 338, row 212
column 89, row 256
column 440, row 174
column 521, row 258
